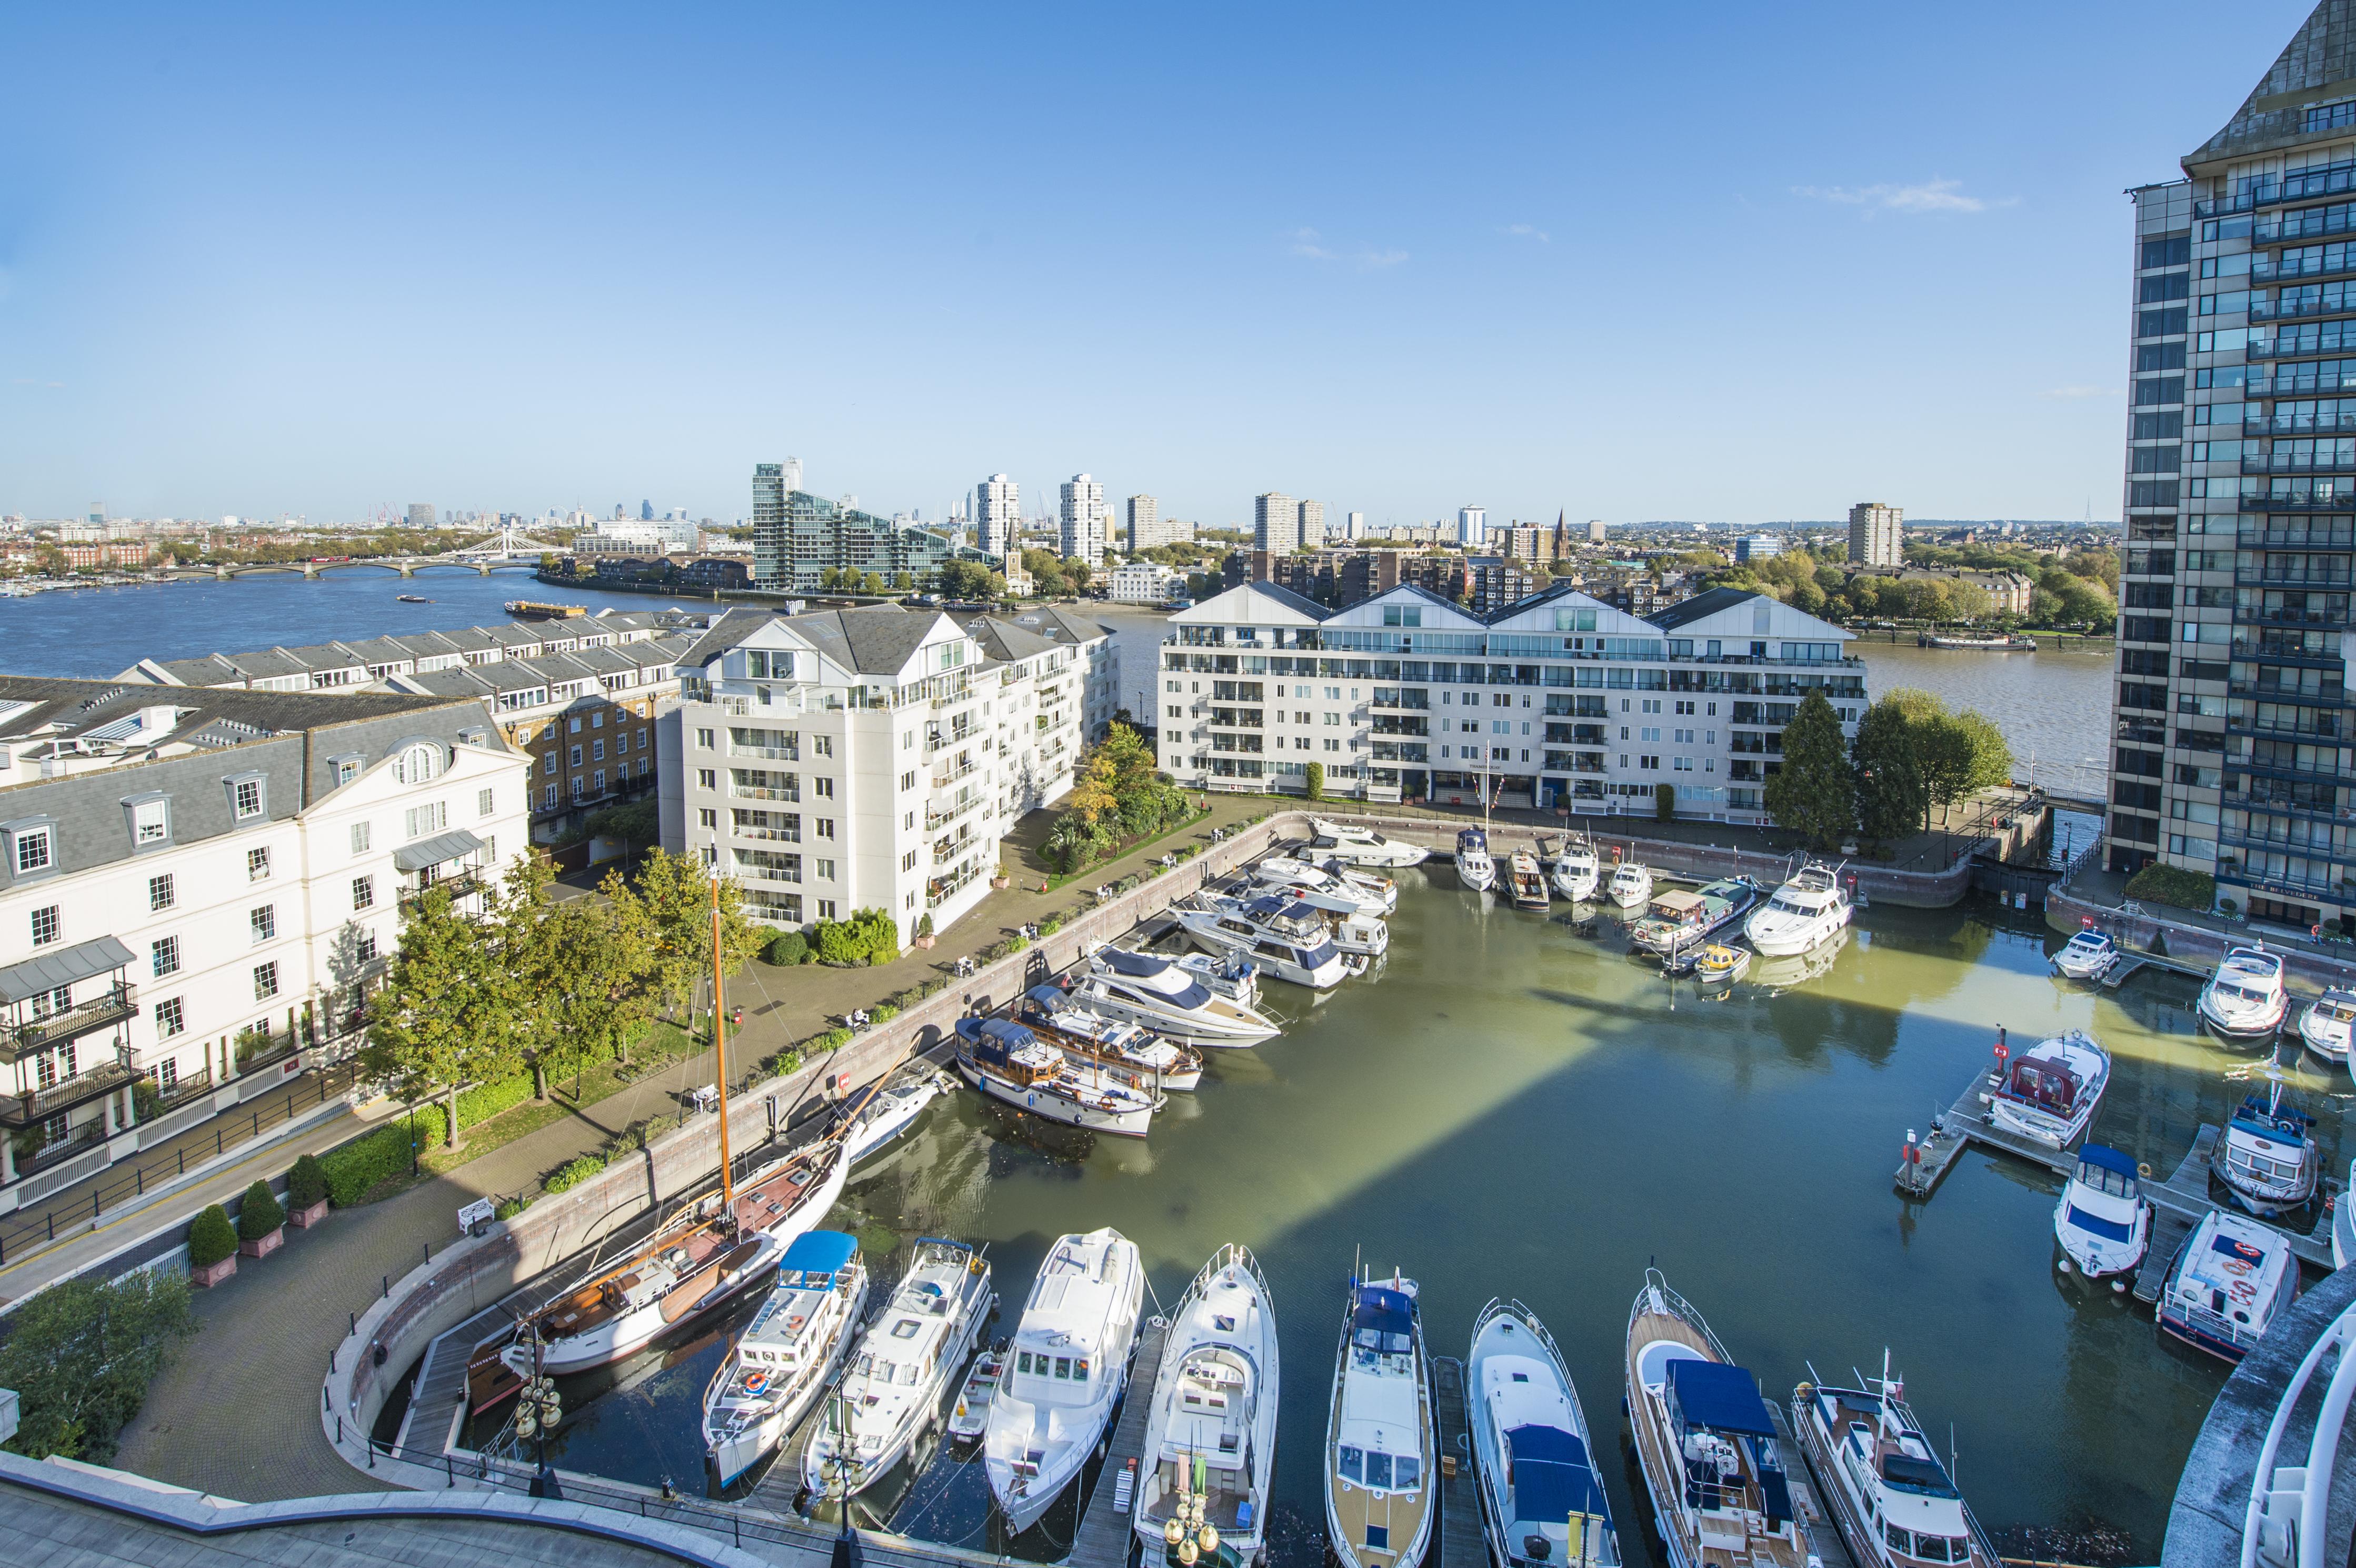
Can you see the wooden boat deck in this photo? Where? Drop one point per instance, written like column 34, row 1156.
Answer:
column 1401, row 1518
column 1461, row 1539
column 1755, row 1551
column 1106, row 1526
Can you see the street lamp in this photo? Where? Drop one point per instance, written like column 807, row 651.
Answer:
column 537, row 1412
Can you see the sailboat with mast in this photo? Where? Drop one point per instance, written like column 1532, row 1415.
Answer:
column 704, row 1255
column 1475, row 865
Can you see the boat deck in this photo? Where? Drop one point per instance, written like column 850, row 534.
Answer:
column 1963, row 1123
column 1824, row 1537
column 1106, row 1526
column 1462, row 1541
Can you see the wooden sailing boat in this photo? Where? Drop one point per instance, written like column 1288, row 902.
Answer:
column 705, row 1254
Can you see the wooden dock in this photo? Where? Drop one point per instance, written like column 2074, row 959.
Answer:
column 1106, row 1526
column 2134, row 961
column 1962, row 1124
column 1462, row 1541
column 1816, row 1521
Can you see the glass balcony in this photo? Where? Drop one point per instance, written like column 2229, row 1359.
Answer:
column 2333, row 462
column 2280, row 424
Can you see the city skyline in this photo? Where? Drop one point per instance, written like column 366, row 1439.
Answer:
column 492, row 297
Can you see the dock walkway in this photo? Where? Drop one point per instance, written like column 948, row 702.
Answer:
column 1816, row 1521
column 1108, row 1526
column 1462, row 1544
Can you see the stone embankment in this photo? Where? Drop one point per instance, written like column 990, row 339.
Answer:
column 2189, row 942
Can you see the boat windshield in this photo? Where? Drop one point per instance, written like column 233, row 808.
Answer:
column 2337, row 1012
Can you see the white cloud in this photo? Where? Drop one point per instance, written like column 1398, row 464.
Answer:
column 1308, row 243
column 1927, row 196
column 1381, row 258
column 1304, row 244
column 2074, row 392
column 1528, row 231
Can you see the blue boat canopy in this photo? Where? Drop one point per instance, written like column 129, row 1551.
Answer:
column 1722, row 1398
column 1472, row 838
column 1379, row 1310
column 819, row 1252
column 1265, row 906
column 994, row 1039
column 1047, row 998
column 1552, row 1477
column 2104, row 1158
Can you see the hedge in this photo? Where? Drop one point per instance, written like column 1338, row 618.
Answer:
column 306, row 1183
column 2174, row 885
column 212, row 1238
column 355, row 1169
column 509, row 1207
column 258, row 1213
column 884, row 1012
column 485, row 1100
column 788, row 949
column 573, row 1173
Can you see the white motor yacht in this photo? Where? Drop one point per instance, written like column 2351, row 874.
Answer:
column 1382, row 1491
column 1229, row 975
column 1801, row 913
column 1210, row 1430
column 1544, row 1504
column 889, row 1112
column 786, row 1355
column 1353, row 930
column 2324, row 1028
column 901, row 1368
column 2089, row 955
column 2051, row 1091
column 1719, row 1477
column 1895, row 1503
column 1069, row 1364
column 1067, row 1022
column 1576, row 871
column 2244, row 1000
column 1783, row 973
column 2267, row 1159
column 1363, row 847
column 1373, row 894
column 1008, row 1062
column 2103, row 1221
column 1474, row 867
column 1170, row 996
column 2230, row 1280
column 1629, row 885
column 1288, row 942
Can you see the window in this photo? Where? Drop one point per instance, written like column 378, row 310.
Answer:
column 44, row 925
column 347, row 770
column 572, row 726
column 826, row 909
column 822, row 745
column 257, row 864
column 364, row 947
column 170, row 1020
column 826, row 871
column 163, row 956
column 265, row 981
column 907, row 782
column 706, row 817
column 151, row 822
column 482, row 802
column 823, row 827
column 265, row 921
column 159, row 891
column 597, row 719
column 822, row 787
column 359, row 838
column 597, row 782
column 572, row 757
column 548, row 762
column 245, row 798
column 1648, row 762
column 908, row 861
column 363, row 892
column 597, row 750
column 33, row 849
column 1400, row 615
column 422, row 820
column 418, row 765
column 707, row 778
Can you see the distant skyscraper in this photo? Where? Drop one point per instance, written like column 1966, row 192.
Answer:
column 1357, row 525
column 420, row 514
column 1083, row 519
column 646, row 511
column 998, row 514
column 1313, row 524
column 98, row 514
column 1595, row 531
column 1144, row 524
column 1471, row 526
column 1877, row 535
column 1275, row 522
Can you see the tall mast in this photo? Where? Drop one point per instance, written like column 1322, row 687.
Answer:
column 720, row 1054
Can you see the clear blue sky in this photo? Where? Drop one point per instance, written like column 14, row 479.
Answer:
column 1735, row 261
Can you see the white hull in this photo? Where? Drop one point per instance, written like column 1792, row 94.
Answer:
column 2053, row 1132
column 1629, row 892
column 1577, row 886
column 1127, row 1124
column 1780, row 937
column 2251, row 1024
column 1477, row 872
column 1226, row 1318
column 627, row 1333
column 917, row 1412
column 1191, row 1028
column 2327, row 1040
column 1203, row 926
column 867, row 1136
column 730, row 1457
column 1362, row 846
column 1064, row 1435
column 2084, row 969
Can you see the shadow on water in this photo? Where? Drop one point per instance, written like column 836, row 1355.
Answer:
column 1517, row 1110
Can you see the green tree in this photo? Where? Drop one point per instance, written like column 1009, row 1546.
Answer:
column 449, row 1013
column 869, row 583
column 258, row 1213
column 82, row 1354
column 1890, row 798
column 1313, row 781
column 970, row 581
column 1664, row 802
column 1815, row 791
column 594, row 974
column 674, row 896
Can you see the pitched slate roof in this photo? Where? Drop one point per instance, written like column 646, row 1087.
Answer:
column 1685, row 611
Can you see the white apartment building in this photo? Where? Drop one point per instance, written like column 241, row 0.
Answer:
column 1085, row 522
column 1143, row 583
column 1877, row 535
column 1275, row 522
column 1471, row 526
column 1313, row 524
column 998, row 515
column 195, row 886
column 1356, row 527
column 1556, row 700
column 873, row 758
column 1148, row 529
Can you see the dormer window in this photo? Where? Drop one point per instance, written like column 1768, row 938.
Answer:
column 151, row 822
column 418, row 764
column 32, row 849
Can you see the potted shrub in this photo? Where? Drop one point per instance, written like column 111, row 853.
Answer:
column 924, row 937
column 212, row 1248
column 261, row 1223
column 306, row 1193
column 1001, row 880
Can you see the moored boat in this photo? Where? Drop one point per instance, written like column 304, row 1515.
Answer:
column 2051, row 1091
column 2228, row 1282
column 1381, row 1492
column 1679, row 919
column 2089, row 955
column 1474, row 867
column 786, row 1355
column 1289, row 942
column 1170, row 996
column 1371, row 895
column 1576, row 871
column 2244, row 1001
column 1525, row 882
column 2103, row 1223
column 1718, row 1475
column 971, row 1415
column 2267, row 1159
column 1983, row 644
column 1068, row 1023
column 1631, row 883
column 1210, row 1429
column 1008, row 1062
column 1542, row 1502
column 1895, row 1503
column 1363, row 847
column 1716, row 963
column 2325, row 1026
column 889, row 1112
column 1799, row 915
column 1067, row 1366
column 900, row 1368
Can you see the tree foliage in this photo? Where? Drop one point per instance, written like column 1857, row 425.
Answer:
column 1914, row 756
column 1118, row 795
column 1814, row 793
column 449, row 1013
column 211, row 1237
column 969, row 580
column 80, row 1356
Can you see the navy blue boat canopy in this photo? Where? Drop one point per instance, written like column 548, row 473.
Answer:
column 1722, row 1398
column 2104, row 1158
column 994, row 1039
column 1123, row 961
column 1263, row 906
column 1383, row 1319
column 1552, row 1477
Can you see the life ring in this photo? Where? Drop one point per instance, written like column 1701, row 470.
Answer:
column 2243, row 1291
column 756, row 1381
column 2143, row 1169
column 2236, row 1267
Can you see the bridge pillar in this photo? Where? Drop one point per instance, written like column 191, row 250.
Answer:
column 482, row 568
column 221, row 574
column 407, row 570
column 310, row 571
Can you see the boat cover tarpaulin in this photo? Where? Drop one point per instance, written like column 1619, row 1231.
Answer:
column 819, row 1252
column 1552, row 1477
column 1722, row 1398
column 2104, row 1158
column 1380, row 1308
column 1120, row 961
column 1677, row 902
column 1046, row 998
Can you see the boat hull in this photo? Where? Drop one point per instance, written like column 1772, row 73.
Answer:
column 1126, row 1123
column 955, row 1352
column 732, row 1455
column 864, row 1141
column 1191, row 1029
column 2242, row 1029
column 627, row 1333
column 1480, row 875
column 1790, row 941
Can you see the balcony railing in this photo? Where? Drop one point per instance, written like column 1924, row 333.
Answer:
column 770, row 835
column 2301, row 463
column 2284, row 271
column 474, row 879
column 756, row 793
column 936, row 741
column 770, row 753
column 938, row 818
column 2231, row 871
column 941, row 889
column 2301, row 425
column 23, row 1110
column 2340, row 499
column 2293, row 309
column 2307, row 809
column 2296, row 536
column 117, row 1004
column 943, row 780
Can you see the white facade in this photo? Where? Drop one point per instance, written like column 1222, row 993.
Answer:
column 1085, row 522
column 1275, row 522
column 1559, row 699
column 1143, row 583
column 1313, row 525
column 1148, row 529
column 998, row 514
column 1357, row 525
column 1471, row 526
column 1877, row 535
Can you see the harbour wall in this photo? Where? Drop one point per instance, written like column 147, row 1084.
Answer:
column 2067, row 911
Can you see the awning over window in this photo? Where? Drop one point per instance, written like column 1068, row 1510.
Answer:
column 83, row 960
column 435, row 851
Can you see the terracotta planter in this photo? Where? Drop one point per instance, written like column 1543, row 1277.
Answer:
column 1001, row 882
column 268, row 1244
column 213, row 1273
column 304, row 1219
column 926, row 942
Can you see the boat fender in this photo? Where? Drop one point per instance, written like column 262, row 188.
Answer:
column 2063, row 1264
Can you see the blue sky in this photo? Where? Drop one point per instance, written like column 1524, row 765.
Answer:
column 1740, row 263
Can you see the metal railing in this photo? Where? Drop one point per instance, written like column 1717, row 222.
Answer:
column 119, row 1003
column 2285, row 1525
